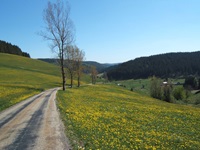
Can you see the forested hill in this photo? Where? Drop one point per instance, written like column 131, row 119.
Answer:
column 11, row 49
column 100, row 67
column 163, row 65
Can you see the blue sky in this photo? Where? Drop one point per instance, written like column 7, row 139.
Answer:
column 109, row 31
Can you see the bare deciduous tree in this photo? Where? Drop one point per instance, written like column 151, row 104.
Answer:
column 70, row 58
column 80, row 56
column 94, row 74
column 73, row 62
column 59, row 30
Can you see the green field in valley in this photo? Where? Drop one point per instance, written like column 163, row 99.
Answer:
column 142, row 86
column 112, row 117
column 22, row 77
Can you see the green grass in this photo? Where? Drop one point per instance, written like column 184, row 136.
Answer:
column 142, row 86
column 110, row 117
column 194, row 99
column 22, row 77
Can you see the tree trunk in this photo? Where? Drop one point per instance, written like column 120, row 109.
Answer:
column 63, row 78
column 78, row 80
column 78, row 74
column 63, row 72
column 71, row 80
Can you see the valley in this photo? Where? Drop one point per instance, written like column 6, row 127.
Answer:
column 105, row 115
column 100, row 75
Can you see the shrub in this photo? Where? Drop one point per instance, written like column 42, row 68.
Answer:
column 179, row 93
column 155, row 88
column 167, row 93
column 190, row 83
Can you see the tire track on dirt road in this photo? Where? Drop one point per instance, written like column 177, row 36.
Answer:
column 33, row 124
column 11, row 115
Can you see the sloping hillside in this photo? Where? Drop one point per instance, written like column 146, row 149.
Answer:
column 111, row 117
column 22, row 77
column 163, row 65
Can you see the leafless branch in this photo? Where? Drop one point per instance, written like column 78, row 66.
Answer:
column 59, row 30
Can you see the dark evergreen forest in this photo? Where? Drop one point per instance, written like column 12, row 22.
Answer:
column 11, row 49
column 163, row 66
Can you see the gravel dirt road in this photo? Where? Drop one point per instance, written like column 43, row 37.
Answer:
column 33, row 124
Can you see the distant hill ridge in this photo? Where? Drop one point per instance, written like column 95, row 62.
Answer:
column 6, row 47
column 162, row 65
column 99, row 66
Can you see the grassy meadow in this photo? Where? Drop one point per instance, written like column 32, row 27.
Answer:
column 22, row 77
column 112, row 117
column 142, row 86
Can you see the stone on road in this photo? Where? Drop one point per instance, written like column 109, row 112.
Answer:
column 33, row 124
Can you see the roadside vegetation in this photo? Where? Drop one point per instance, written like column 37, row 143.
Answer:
column 110, row 117
column 22, row 77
